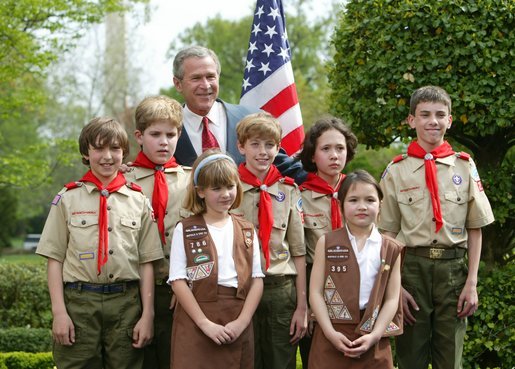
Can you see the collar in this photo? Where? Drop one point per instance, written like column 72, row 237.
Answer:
column 417, row 163
column 140, row 172
column 90, row 187
column 272, row 190
column 196, row 120
column 375, row 236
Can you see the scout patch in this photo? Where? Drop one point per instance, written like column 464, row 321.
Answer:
column 201, row 271
column 456, row 179
column 195, row 232
column 475, row 175
column 337, row 253
column 201, row 259
column 335, row 305
column 479, row 186
column 283, row 255
column 56, row 199
column 280, row 196
column 86, row 255
column 456, row 230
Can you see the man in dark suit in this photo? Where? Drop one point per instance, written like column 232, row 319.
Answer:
column 196, row 71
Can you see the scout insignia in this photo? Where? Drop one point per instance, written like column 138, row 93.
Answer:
column 456, row 179
column 335, row 305
column 86, row 255
column 56, row 199
column 392, row 327
column 280, row 196
column 201, row 259
column 195, row 232
column 201, row 271
column 247, row 235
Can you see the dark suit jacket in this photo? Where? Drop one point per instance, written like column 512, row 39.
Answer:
column 185, row 153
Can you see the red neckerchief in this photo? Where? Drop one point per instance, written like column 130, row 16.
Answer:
column 265, row 214
column 103, row 236
column 315, row 183
column 160, row 193
column 442, row 151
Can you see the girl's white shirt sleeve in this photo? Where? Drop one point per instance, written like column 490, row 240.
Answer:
column 257, row 272
column 177, row 256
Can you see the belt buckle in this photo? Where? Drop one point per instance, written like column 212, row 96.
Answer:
column 435, row 253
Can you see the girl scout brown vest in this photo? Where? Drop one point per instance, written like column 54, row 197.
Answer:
column 342, row 279
column 202, row 258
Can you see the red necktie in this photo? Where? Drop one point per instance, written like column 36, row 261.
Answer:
column 317, row 184
column 442, row 151
column 103, row 235
column 208, row 138
column 160, row 193
column 265, row 214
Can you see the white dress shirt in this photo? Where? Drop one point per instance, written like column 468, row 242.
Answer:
column 217, row 125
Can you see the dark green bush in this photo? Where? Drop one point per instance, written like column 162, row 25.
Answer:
column 24, row 298
column 26, row 339
column 490, row 338
column 25, row 360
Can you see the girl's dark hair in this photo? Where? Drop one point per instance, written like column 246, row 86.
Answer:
column 357, row 176
column 317, row 129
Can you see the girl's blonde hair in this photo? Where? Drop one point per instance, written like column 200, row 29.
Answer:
column 217, row 173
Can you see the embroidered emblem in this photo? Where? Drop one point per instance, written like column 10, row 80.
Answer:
column 474, row 174
column 328, row 294
column 335, row 305
column 479, row 186
column 298, row 205
column 336, row 299
column 392, row 327
column 337, row 253
column 201, row 271
column 194, row 232
column 86, row 255
column 201, row 259
column 280, row 196
column 341, row 312
column 367, row 326
column 456, row 230
column 56, row 199
column 329, row 282
column 248, row 234
column 457, row 179
column 283, row 255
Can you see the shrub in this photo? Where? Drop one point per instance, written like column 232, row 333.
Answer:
column 25, row 339
column 25, row 360
column 491, row 332
column 24, row 298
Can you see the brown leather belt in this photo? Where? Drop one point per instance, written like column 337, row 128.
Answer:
column 437, row 252
column 276, row 280
column 101, row 288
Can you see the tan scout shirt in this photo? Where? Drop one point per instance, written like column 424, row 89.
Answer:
column 287, row 237
column 407, row 209
column 317, row 219
column 177, row 179
column 70, row 234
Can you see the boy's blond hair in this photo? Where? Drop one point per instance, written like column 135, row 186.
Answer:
column 217, row 173
column 158, row 108
column 101, row 132
column 432, row 94
column 261, row 125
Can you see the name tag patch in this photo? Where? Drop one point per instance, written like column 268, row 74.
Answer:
column 86, row 255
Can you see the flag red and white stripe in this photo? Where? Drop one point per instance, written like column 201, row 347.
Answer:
column 268, row 81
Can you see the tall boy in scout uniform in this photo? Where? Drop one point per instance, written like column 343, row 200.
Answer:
column 273, row 204
column 435, row 204
column 158, row 127
column 100, row 241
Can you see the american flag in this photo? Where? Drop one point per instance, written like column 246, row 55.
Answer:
column 268, row 78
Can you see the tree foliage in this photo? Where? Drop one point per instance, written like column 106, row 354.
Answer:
column 385, row 49
column 309, row 43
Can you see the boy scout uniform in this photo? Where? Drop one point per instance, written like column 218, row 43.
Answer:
column 104, row 307
column 434, row 270
column 273, row 315
column 157, row 353
column 317, row 219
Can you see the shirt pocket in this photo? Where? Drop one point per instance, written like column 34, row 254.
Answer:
column 412, row 198
column 455, row 204
column 84, row 232
column 315, row 223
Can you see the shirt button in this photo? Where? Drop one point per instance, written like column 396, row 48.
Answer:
column 167, row 234
column 434, row 219
column 133, row 223
column 410, row 199
column 434, row 241
column 167, row 256
column 166, row 212
column 314, row 224
column 83, row 222
column 111, row 276
column 109, row 229
column 111, row 252
column 283, row 225
column 257, row 204
column 108, row 208
column 458, row 199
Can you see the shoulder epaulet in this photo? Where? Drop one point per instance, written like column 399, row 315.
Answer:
column 288, row 180
column 133, row 186
column 72, row 185
column 463, row 155
column 399, row 158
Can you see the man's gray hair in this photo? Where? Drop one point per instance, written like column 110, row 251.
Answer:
column 189, row 52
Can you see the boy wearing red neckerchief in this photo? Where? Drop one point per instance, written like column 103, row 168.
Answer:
column 273, row 204
column 435, row 204
column 100, row 240
column 163, row 181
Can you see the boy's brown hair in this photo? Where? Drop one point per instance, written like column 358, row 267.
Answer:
column 158, row 108
column 433, row 94
column 317, row 129
column 261, row 125
column 101, row 132
column 217, row 173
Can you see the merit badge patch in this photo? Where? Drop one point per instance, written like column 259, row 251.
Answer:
column 56, row 199
column 201, row 271
column 195, row 232
column 86, row 255
column 280, row 196
column 337, row 253
column 283, row 255
column 456, row 230
column 298, row 205
column 456, row 179
column 475, row 174
column 201, row 259
column 479, row 186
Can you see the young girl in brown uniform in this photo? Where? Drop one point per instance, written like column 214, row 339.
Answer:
column 355, row 285
column 215, row 272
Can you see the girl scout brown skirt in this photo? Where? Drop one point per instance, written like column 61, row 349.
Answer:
column 192, row 349
column 323, row 355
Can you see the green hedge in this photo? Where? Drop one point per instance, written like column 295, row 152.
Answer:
column 26, row 339
column 24, row 298
column 25, row 360
column 490, row 338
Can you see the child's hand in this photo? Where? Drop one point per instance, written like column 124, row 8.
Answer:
column 126, row 168
column 218, row 333
column 63, row 330
column 298, row 325
column 143, row 332
column 407, row 301
column 361, row 345
column 338, row 340
column 235, row 329
column 468, row 301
